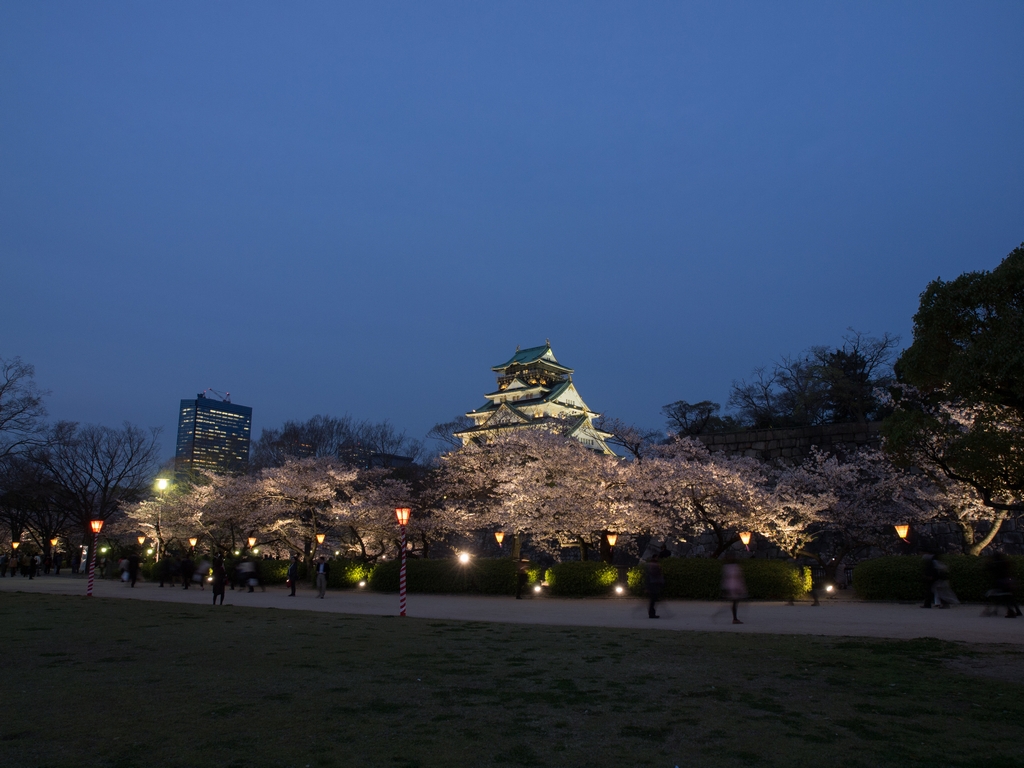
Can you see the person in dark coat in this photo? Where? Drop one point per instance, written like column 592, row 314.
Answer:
column 187, row 568
column 220, row 577
column 133, row 568
column 293, row 574
column 655, row 584
column 522, row 575
column 58, row 561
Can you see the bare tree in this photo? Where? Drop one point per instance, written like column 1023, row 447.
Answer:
column 636, row 441
column 21, row 407
column 444, row 431
column 97, row 469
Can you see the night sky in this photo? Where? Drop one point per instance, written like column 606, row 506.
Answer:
column 360, row 208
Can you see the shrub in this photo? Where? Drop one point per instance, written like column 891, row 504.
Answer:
column 901, row 577
column 581, row 578
column 486, row 576
column 694, row 578
column 346, row 574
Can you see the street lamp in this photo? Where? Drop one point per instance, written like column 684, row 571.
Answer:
column 499, row 536
column 53, row 542
column 192, row 541
column 612, row 538
column 142, row 540
column 252, row 541
column 745, row 538
column 402, row 515
column 162, row 483
column 97, row 526
column 902, row 531
column 15, row 544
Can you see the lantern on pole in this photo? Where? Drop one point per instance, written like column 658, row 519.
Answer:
column 745, row 538
column 402, row 516
column 15, row 544
column 612, row 538
column 252, row 541
column 902, row 531
column 320, row 538
column 53, row 542
column 97, row 526
column 141, row 540
column 499, row 536
column 192, row 541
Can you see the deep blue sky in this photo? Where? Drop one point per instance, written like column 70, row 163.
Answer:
column 359, row 208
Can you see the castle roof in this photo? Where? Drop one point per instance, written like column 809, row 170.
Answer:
column 533, row 355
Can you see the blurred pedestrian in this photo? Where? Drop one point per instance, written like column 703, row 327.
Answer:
column 1002, row 586
column 522, row 576
column 734, row 588
column 3, row 566
column 186, row 568
column 133, row 568
column 930, row 577
column 944, row 596
column 58, row 561
column 292, row 575
column 655, row 584
column 13, row 564
column 220, row 576
column 202, row 573
column 323, row 568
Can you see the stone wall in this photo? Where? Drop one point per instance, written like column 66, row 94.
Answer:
column 795, row 444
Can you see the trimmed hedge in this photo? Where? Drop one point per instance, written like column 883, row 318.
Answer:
column 696, row 578
column 344, row 574
column 484, row 576
column 581, row 579
column 901, row 577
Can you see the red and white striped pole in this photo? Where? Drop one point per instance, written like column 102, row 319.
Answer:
column 97, row 526
column 402, row 514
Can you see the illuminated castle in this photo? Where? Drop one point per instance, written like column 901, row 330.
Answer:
column 536, row 392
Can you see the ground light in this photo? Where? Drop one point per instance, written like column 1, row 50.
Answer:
column 362, row 583
column 537, row 588
column 97, row 526
column 464, row 557
column 618, row 589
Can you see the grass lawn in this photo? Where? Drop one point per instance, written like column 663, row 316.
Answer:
column 130, row 683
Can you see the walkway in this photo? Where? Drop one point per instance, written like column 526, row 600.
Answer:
column 837, row 617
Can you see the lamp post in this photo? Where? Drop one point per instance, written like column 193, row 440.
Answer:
column 745, row 538
column 141, row 540
column 15, row 545
column 97, row 526
column 192, row 541
column 402, row 515
column 902, row 531
column 499, row 536
column 252, row 541
column 162, row 484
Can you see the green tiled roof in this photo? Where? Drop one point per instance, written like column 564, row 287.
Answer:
column 531, row 355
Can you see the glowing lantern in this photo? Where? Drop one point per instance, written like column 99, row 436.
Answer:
column 320, row 538
column 612, row 538
column 142, row 539
column 53, row 542
column 402, row 515
column 15, row 544
column 161, row 484
column 193, row 541
column 499, row 536
column 252, row 541
column 902, row 531
column 745, row 538
column 96, row 525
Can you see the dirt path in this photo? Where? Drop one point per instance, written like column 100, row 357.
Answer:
column 835, row 617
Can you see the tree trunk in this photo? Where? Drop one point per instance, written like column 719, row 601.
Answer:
column 976, row 547
column 517, row 545
column 606, row 549
column 584, row 549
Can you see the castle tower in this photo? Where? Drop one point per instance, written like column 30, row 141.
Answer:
column 535, row 391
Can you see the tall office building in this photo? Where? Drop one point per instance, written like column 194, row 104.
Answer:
column 213, row 436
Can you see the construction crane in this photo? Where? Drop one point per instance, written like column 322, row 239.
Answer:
column 225, row 396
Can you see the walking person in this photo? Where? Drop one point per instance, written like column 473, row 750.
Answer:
column 133, row 568
column 944, row 595
column 293, row 575
column 58, row 561
column 322, row 571
column 655, row 584
column 220, row 577
column 734, row 588
column 522, row 575
column 931, row 575
column 186, row 569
